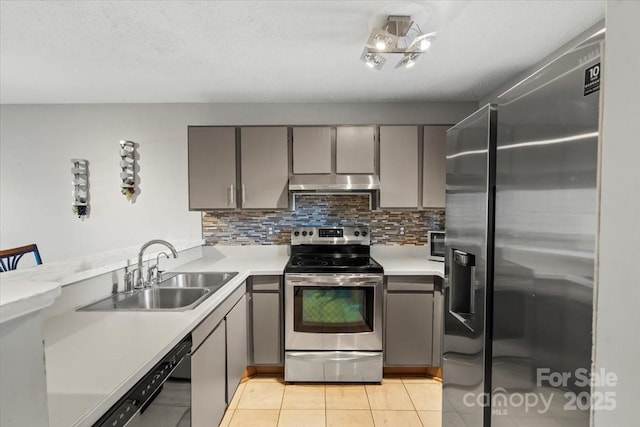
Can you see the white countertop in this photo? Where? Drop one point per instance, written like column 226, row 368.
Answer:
column 406, row 260
column 93, row 358
column 20, row 298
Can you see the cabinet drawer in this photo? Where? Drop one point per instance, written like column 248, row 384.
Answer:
column 265, row 283
column 410, row 283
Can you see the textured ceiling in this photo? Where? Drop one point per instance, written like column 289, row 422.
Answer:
column 268, row 51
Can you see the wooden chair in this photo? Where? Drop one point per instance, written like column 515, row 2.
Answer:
column 9, row 257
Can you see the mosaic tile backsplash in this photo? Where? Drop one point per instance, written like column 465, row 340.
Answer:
column 272, row 227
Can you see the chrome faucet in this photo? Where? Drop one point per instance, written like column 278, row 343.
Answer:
column 130, row 279
column 157, row 278
column 141, row 280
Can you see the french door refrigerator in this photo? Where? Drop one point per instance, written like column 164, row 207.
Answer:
column 522, row 207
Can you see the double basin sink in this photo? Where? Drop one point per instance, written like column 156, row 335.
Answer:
column 177, row 292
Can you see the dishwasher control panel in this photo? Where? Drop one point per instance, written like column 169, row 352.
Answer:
column 143, row 393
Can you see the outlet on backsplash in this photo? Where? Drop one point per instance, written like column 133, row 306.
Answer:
column 401, row 231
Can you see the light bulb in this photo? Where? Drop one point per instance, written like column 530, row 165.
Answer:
column 410, row 63
column 370, row 64
column 380, row 45
column 424, row 44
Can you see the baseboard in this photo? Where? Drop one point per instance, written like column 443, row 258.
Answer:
column 389, row 371
column 417, row 371
column 253, row 371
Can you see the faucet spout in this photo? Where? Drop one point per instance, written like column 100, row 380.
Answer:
column 144, row 248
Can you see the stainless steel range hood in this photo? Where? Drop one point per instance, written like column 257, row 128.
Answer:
column 333, row 183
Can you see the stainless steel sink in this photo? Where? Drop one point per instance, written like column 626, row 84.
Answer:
column 152, row 299
column 177, row 292
column 212, row 281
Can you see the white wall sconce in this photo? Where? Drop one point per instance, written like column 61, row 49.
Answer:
column 80, row 171
column 128, row 166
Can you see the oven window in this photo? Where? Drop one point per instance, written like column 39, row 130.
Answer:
column 333, row 309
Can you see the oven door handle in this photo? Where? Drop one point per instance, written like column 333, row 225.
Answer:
column 364, row 280
column 345, row 356
column 353, row 284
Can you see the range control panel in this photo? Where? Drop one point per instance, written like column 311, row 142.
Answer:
column 330, row 232
column 347, row 235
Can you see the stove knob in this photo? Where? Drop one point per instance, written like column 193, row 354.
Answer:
column 357, row 233
column 311, row 233
column 297, row 233
column 364, row 233
column 304, row 233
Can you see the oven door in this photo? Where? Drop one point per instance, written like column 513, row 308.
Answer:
column 333, row 312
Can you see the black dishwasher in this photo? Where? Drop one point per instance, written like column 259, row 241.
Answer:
column 154, row 401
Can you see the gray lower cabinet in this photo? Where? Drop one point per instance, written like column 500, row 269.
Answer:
column 208, row 391
column 236, row 345
column 409, row 321
column 218, row 359
column 266, row 320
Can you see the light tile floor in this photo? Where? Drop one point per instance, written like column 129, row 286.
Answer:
column 401, row 402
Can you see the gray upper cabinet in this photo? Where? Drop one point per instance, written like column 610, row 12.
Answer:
column 399, row 166
column 434, row 172
column 312, row 150
column 355, row 149
column 264, row 167
column 212, row 167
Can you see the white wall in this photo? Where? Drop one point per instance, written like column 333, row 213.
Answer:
column 38, row 141
column 618, row 298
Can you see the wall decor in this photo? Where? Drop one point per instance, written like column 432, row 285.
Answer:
column 273, row 227
column 80, row 171
column 128, row 165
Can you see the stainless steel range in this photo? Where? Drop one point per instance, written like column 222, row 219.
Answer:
column 333, row 307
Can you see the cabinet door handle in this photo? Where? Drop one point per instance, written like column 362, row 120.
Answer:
column 243, row 196
column 231, row 197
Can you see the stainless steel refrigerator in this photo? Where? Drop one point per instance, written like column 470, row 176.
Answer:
column 521, row 212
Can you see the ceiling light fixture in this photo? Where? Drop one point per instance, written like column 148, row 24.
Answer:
column 399, row 35
column 408, row 60
column 372, row 59
column 421, row 43
column 381, row 40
